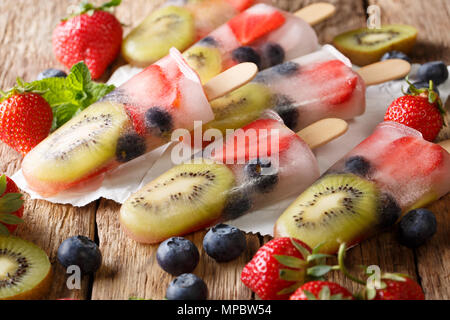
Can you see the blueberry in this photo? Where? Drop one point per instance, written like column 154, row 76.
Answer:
column 51, row 73
column 436, row 71
column 390, row 211
column 209, row 41
column 395, row 55
column 287, row 69
column 285, row 107
column 187, row 287
column 273, row 54
column 82, row 252
column 238, row 203
column 224, row 243
column 246, row 54
column 129, row 147
column 158, row 121
column 416, row 227
column 261, row 180
column 177, row 255
column 423, row 84
column 357, row 165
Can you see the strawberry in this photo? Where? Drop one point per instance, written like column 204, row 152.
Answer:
column 92, row 35
column 255, row 23
column 421, row 110
column 11, row 206
column 280, row 267
column 25, row 119
column 321, row 290
column 330, row 75
column 240, row 5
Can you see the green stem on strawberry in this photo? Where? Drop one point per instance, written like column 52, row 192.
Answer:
column 343, row 268
column 89, row 8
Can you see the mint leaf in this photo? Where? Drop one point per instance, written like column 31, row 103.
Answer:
column 10, row 219
column 2, row 184
column 71, row 95
column 11, row 202
column 3, row 230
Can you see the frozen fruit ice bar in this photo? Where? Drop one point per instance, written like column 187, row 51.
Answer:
column 177, row 23
column 302, row 91
column 391, row 172
column 130, row 121
column 262, row 34
column 258, row 165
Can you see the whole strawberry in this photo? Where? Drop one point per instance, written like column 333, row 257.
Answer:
column 321, row 290
column 421, row 110
column 398, row 287
column 280, row 267
column 92, row 35
column 25, row 119
column 11, row 206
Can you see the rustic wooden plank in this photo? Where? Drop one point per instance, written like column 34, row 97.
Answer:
column 25, row 50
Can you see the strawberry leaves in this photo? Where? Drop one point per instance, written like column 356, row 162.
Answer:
column 9, row 203
column 89, row 8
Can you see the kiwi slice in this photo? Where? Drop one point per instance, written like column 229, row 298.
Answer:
column 240, row 107
column 207, row 61
column 365, row 46
column 25, row 270
column 80, row 147
column 186, row 198
column 337, row 208
column 167, row 27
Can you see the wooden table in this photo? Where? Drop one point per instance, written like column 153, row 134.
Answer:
column 130, row 269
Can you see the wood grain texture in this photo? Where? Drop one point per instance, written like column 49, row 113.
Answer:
column 130, row 269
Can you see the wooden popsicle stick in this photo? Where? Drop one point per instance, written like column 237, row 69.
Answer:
column 445, row 144
column 323, row 131
column 316, row 13
column 230, row 80
column 384, row 71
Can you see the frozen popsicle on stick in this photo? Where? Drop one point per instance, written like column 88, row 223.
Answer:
column 130, row 121
column 315, row 86
column 262, row 34
column 178, row 24
column 258, row 165
column 390, row 173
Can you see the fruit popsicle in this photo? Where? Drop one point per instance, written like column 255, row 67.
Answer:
column 390, row 173
column 259, row 164
column 130, row 121
column 177, row 23
column 302, row 91
column 262, row 34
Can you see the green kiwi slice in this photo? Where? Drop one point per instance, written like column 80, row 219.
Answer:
column 207, row 61
column 186, row 198
column 240, row 107
column 365, row 46
column 25, row 270
column 337, row 208
column 80, row 147
column 170, row 26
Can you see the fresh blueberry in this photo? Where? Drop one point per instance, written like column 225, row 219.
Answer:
column 224, row 243
column 187, row 287
column 238, row 203
column 286, row 109
column 129, row 147
column 357, row 165
column 390, row 211
column 263, row 180
column 82, row 252
column 395, row 55
column 177, row 255
column 51, row 73
column 416, row 227
column 287, row 69
column 422, row 85
column 273, row 54
column 246, row 54
column 158, row 121
column 436, row 71
column 209, row 41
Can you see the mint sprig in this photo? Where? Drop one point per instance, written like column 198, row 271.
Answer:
column 69, row 96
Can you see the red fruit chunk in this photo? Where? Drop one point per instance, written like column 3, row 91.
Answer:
column 248, row 26
column 241, row 5
column 262, row 273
